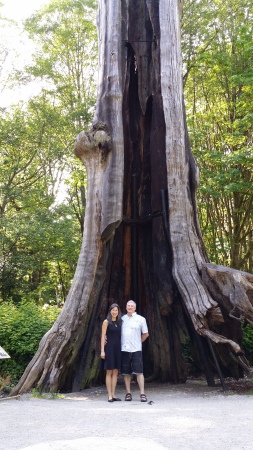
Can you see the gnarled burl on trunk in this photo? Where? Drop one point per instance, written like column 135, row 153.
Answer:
column 141, row 233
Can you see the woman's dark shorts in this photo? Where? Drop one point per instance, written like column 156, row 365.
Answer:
column 131, row 363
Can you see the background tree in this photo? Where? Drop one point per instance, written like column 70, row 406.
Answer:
column 219, row 109
column 66, row 40
column 41, row 226
column 141, row 233
column 30, row 221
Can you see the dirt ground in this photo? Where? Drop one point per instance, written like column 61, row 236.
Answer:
column 177, row 417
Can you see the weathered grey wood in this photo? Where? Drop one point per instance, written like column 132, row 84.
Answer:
column 186, row 245
column 112, row 72
column 236, row 287
column 16, row 397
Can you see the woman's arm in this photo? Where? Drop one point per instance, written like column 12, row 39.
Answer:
column 103, row 342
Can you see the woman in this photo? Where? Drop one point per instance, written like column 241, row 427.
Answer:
column 111, row 349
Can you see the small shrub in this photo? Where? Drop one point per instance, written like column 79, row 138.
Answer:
column 37, row 393
column 247, row 342
column 22, row 328
column 190, row 354
column 5, row 384
column 55, row 395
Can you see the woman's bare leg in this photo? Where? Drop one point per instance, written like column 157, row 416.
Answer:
column 108, row 382
column 114, row 381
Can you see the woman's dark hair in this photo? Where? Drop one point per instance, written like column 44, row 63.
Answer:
column 109, row 316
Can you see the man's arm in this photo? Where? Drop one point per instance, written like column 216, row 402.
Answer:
column 144, row 336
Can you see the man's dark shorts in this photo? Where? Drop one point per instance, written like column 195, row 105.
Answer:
column 131, row 363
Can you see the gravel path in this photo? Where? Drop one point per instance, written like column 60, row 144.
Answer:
column 190, row 416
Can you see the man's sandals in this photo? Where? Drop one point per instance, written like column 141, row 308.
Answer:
column 128, row 397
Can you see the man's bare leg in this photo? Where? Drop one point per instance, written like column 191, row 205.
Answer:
column 127, row 379
column 140, row 381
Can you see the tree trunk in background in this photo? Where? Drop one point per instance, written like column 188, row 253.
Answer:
column 141, row 235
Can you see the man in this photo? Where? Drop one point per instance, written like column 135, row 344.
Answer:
column 133, row 333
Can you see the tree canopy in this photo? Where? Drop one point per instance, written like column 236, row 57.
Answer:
column 218, row 92
column 42, row 195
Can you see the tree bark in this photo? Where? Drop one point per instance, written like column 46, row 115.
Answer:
column 141, row 233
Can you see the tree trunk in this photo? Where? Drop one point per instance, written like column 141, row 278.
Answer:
column 141, row 234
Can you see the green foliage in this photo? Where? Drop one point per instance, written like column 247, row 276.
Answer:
column 218, row 60
column 42, row 184
column 36, row 393
column 5, row 384
column 191, row 355
column 40, row 244
column 247, row 343
column 22, row 328
column 66, row 39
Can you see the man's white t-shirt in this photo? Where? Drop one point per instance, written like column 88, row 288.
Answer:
column 132, row 328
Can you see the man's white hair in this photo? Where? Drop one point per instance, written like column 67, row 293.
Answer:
column 131, row 301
